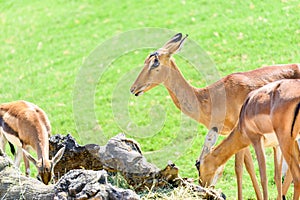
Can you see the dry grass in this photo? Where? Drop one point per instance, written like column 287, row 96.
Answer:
column 184, row 193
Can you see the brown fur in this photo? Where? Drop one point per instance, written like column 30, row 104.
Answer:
column 204, row 104
column 33, row 129
column 183, row 94
column 270, row 109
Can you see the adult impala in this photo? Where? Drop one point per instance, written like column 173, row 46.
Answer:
column 271, row 109
column 25, row 124
column 160, row 68
column 267, row 140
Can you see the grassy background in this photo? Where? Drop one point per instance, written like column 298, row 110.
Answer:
column 44, row 44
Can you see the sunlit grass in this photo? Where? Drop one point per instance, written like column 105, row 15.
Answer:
column 44, row 44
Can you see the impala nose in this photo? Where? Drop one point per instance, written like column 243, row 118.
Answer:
column 132, row 89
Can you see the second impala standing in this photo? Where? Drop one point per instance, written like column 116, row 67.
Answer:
column 272, row 109
column 197, row 103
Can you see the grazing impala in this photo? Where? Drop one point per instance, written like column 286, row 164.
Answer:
column 271, row 109
column 267, row 140
column 25, row 124
column 200, row 103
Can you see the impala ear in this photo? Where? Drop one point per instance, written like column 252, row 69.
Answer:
column 174, row 44
column 29, row 157
column 210, row 141
column 58, row 156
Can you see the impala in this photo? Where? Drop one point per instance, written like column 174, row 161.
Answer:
column 268, row 140
column 25, row 124
column 197, row 103
column 272, row 109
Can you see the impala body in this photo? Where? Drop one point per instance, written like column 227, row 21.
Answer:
column 204, row 104
column 24, row 124
column 272, row 109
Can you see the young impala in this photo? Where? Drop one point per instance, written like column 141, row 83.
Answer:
column 25, row 124
column 203, row 104
column 270, row 110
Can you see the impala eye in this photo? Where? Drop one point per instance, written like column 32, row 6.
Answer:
column 155, row 63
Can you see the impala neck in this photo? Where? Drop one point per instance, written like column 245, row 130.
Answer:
column 188, row 99
column 227, row 148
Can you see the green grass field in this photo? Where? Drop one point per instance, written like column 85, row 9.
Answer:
column 45, row 44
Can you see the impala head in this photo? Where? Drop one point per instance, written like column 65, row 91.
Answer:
column 45, row 167
column 209, row 171
column 157, row 66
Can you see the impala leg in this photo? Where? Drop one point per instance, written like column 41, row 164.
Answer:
column 295, row 169
column 239, row 161
column 260, row 154
column 18, row 157
column 296, row 174
column 277, row 174
column 290, row 151
column 2, row 141
column 250, row 168
column 287, row 182
column 26, row 162
column 296, row 189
